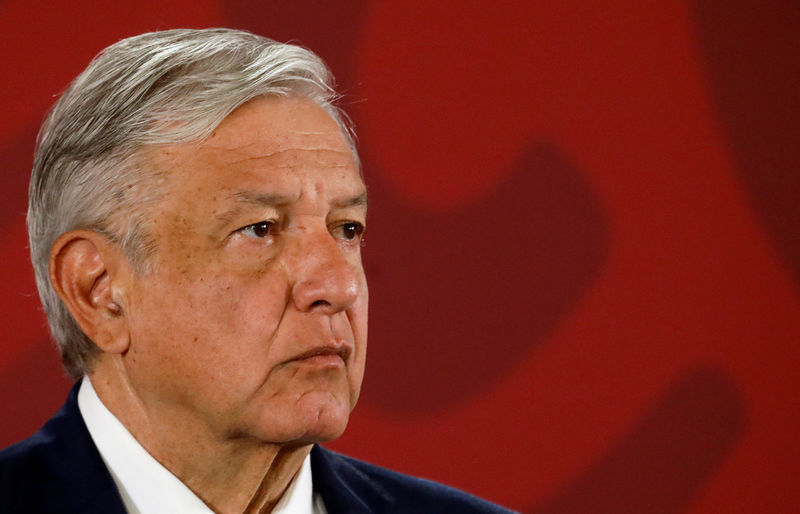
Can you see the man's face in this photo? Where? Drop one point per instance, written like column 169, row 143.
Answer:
column 253, row 321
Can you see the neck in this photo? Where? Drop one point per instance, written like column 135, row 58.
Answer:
column 230, row 473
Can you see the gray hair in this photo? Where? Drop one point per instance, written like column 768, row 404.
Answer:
column 173, row 86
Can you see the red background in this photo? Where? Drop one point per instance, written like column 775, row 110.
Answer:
column 583, row 254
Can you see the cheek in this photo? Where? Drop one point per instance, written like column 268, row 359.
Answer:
column 359, row 317
column 208, row 320
column 358, row 322
column 207, row 340
column 260, row 304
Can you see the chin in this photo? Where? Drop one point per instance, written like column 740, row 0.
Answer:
column 314, row 418
column 324, row 422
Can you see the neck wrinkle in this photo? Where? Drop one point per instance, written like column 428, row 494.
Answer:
column 208, row 465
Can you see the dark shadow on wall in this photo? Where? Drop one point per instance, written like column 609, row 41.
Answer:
column 667, row 457
column 331, row 29
column 481, row 284
column 16, row 159
column 750, row 56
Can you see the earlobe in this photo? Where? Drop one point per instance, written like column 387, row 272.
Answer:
column 83, row 270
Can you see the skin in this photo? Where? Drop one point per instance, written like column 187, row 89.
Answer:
column 246, row 342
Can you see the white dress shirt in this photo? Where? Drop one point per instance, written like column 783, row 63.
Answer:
column 148, row 487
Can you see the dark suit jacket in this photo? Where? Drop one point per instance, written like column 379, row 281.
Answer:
column 59, row 469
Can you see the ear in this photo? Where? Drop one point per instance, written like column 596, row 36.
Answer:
column 87, row 272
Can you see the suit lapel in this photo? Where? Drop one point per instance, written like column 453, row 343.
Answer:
column 344, row 488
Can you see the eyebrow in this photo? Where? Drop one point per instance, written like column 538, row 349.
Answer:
column 356, row 201
column 269, row 199
column 260, row 198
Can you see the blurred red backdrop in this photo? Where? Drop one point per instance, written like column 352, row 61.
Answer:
column 582, row 255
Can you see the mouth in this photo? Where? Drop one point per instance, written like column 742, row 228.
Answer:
column 323, row 354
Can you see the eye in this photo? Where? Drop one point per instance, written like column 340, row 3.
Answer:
column 258, row 230
column 349, row 231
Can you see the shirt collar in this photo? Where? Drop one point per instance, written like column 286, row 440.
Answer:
column 147, row 486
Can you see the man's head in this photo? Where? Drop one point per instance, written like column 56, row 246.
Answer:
column 196, row 210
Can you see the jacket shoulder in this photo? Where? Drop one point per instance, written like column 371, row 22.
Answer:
column 19, row 464
column 57, row 469
column 24, row 463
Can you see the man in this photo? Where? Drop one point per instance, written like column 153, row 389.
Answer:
column 196, row 213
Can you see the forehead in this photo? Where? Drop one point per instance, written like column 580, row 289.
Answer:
column 267, row 143
column 273, row 124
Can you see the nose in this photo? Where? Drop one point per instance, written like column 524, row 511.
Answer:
column 325, row 278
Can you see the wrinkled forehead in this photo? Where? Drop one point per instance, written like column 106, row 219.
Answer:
column 273, row 124
column 282, row 132
column 278, row 146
